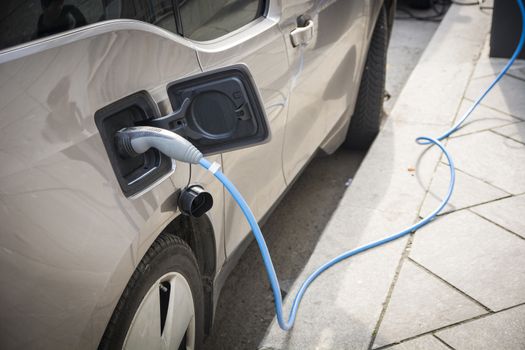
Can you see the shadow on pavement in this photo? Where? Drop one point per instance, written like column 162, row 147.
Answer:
column 246, row 307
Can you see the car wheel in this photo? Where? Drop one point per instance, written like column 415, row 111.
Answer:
column 162, row 305
column 365, row 122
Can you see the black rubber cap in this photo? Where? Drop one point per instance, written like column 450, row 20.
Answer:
column 195, row 201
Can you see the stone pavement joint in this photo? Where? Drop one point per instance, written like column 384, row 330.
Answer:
column 438, row 331
column 443, row 342
column 450, row 285
column 402, row 260
column 505, row 213
column 469, row 191
column 513, row 131
column 513, row 75
column 478, row 178
column 476, row 256
column 502, row 330
column 506, row 136
column 494, row 109
column 482, row 118
column 422, row 303
column 426, row 342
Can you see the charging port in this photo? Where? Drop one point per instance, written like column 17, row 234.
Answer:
column 133, row 173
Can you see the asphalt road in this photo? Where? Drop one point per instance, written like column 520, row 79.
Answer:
column 246, row 305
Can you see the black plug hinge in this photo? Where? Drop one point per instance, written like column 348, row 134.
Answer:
column 173, row 121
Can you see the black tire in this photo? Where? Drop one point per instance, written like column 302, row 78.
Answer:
column 167, row 254
column 420, row 4
column 365, row 122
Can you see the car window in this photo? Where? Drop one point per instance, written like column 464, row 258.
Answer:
column 25, row 20
column 209, row 19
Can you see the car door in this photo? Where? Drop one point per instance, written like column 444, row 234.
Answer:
column 325, row 43
column 226, row 32
column 70, row 237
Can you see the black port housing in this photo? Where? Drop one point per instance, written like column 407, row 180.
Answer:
column 218, row 110
column 133, row 173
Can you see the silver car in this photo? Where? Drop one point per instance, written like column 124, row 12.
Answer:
column 99, row 251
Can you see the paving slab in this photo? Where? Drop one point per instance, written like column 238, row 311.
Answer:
column 438, row 103
column 513, row 131
column 483, row 118
column 488, row 66
column 506, row 212
column 508, row 96
column 518, row 70
column 421, row 303
column 479, row 258
column 426, row 342
column 468, row 191
column 492, row 66
column 503, row 331
column 436, row 86
column 492, row 158
column 400, row 169
column 404, row 50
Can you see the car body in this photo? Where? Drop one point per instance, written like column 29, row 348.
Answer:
column 70, row 239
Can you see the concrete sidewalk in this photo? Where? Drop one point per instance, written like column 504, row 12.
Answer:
column 459, row 282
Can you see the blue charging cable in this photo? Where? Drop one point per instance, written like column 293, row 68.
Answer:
column 423, row 140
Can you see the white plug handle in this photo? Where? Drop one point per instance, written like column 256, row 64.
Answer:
column 138, row 139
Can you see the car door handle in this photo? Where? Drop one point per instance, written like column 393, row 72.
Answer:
column 302, row 35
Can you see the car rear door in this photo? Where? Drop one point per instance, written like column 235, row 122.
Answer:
column 70, row 239
column 226, row 32
column 325, row 42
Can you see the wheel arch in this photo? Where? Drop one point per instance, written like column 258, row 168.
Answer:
column 199, row 234
column 390, row 6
